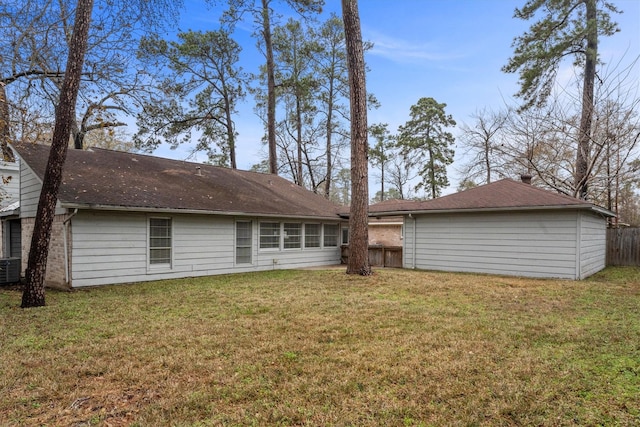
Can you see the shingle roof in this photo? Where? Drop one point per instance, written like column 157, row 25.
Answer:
column 101, row 178
column 499, row 195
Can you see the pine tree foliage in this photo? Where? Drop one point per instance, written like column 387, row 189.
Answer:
column 424, row 142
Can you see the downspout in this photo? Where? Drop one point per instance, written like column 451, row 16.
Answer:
column 413, row 252
column 65, row 223
column 578, row 268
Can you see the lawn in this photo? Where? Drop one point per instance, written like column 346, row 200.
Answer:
column 400, row 348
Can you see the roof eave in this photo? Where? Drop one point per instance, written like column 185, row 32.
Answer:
column 587, row 206
column 142, row 209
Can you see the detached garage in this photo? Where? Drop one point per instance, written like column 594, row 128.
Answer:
column 506, row 227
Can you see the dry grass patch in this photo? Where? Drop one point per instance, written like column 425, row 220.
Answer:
column 400, row 348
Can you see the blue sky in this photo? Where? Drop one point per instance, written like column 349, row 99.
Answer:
column 450, row 50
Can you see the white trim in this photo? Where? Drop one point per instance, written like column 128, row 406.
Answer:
column 338, row 235
column 319, row 235
column 283, row 233
column 578, row 246
column 578, row 206
column 164, row 266
column 235, row 241
column 269, row 249
column 166, row 211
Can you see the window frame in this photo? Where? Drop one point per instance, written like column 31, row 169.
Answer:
column 278, row 235
column 285, row 236
column 336, row 236
column 245, row 246
column 344, row 232
column 318, row 236
column 150, row 248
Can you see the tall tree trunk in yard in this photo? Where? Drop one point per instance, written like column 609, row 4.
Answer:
column 299, row 136
column 359, row 212
column 271, row 89
column 230, row 133
column 327, row 182
column 5, row 136
column 33, row 295
column 584, row 137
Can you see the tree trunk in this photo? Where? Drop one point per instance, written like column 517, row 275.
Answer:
column 33, row 295
column 5, row 133
column 584, row 136
column 271, row 89
column 78, row 136
column 299, row 135
column 432, row 174
column 487, row 160
column 230, row 133
column 359, row 212
column 382, row 163
column 327, row 182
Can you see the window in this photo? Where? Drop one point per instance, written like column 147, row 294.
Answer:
column 243, row 242
column 330, row 235
column 269, row 235
column 292, row 235
column 159, row 241
column 345, row 236
column 312, row 235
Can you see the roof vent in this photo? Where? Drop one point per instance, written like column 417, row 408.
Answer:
column 198, row 171
column 526, row 178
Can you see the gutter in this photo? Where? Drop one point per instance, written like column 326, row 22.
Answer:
column 414, row 242
column 590, row 207
column 131, row 209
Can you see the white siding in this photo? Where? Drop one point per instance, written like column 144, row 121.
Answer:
column 110, row 247
column 593, row 242
column 537, row 244
column 30, row 187
column 10, row 183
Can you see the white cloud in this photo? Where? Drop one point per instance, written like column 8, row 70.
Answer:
column 403, row 51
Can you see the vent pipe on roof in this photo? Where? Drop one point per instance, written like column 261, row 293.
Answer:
column 526, row 178
column 198, row 171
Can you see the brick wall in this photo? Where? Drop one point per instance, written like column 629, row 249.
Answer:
column 386, row 235
column 55, row 274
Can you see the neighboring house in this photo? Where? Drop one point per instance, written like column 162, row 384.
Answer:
column 506, row 227
column 9, row 209
column 124, row 217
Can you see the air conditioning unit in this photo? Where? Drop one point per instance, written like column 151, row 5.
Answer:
column 10, row 270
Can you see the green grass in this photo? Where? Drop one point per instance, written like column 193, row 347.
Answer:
column 400, row 348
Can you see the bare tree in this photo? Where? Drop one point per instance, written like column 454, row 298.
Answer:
column 37, row 39
column 568, row 28
column 33, row 295
column 5, row 132
column 483, row 141
column 542, row 141
column 400, row 173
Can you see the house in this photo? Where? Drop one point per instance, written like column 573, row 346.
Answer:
column 506, row 227
column 124, row 217
column 9, row 210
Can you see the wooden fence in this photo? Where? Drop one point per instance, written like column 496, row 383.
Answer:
column 379, row 256
column 623, row 246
